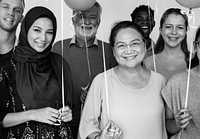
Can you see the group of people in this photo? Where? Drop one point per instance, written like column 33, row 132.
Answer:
column 85, row 88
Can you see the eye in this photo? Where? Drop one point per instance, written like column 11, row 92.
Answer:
column 93, row 17
column 148, row 19
column 5, row 6
column 135, row 43
column 18, row 11
column 139, row 19
column 37, row 30
column 50, row 32
column 168, row 26
column 120, row 45
column 181, row 27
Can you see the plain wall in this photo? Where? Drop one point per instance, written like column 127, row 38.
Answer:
column 113, row 11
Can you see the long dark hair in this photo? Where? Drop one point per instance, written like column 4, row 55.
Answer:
column 159, row 46
column 195, row 59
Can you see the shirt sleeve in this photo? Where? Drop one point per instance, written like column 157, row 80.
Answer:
column 92, row 109
column 4, row 99
column 171, row 94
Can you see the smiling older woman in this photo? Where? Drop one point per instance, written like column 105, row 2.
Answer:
column 131, row 106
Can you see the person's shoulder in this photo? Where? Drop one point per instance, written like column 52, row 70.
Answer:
column 158, row 76
column 59, row 59
column 148, row 62
column 58, row 44
column 106, row 44
column 56, row 56
column 178, row 78
column 101, row 76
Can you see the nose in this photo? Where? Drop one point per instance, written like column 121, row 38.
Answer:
column 86, row 20
column 43, row 37
column 129, row 49
column 10, row 11
column 174, row 31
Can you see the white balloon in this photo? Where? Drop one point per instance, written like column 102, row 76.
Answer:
column 80, row 5
column 189, row 3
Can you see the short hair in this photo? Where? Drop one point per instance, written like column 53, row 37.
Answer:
column 142, row 8
column 195, row 59
column 123, row 25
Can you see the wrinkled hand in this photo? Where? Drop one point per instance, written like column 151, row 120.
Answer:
column 65, row 114
column 46, row 115
column 183, row 117
column 83, row 95
column 111, row 131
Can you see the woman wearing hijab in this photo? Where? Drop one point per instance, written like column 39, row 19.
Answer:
column 31, row 105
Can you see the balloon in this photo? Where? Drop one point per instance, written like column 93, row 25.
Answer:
column 189, row 3
column 80, row 5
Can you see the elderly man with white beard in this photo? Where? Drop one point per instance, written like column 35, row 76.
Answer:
column 84, row 53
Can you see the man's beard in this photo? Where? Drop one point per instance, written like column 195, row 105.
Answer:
column 83, row 32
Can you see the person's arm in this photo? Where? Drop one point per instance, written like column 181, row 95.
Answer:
column 45, row 115
column 174, row 123
column 170, row 122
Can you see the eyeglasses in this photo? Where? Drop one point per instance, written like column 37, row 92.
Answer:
column 196, row 43
column 136, row 44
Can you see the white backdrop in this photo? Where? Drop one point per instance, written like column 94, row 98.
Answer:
column 113, row 10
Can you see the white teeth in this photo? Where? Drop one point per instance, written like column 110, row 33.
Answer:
column 8, row 19
column 41, row 44
column 130, row 57
column 173, row 39
column 144, row 27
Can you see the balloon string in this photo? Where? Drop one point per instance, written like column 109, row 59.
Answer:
column 156, row 8
column 154, row 57
column 63, row 95
column 152, row 44
column 105, row 74
column 87, row 55
column 188, row 78
column 88, row 62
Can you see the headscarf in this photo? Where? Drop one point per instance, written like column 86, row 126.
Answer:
column 38, row 74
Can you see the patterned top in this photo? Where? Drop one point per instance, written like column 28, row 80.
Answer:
column 10, row 102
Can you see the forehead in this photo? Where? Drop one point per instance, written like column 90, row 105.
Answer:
column 92, row 10
column 43, row 22
column 175, row 19
column 127, row 34
column 15, row 3
column 142, row 13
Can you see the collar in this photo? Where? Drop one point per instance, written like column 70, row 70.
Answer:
column 73, row 41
